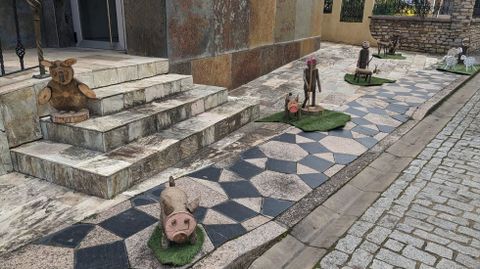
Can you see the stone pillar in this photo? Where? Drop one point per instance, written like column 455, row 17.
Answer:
column 461, row 21
column 5, row 159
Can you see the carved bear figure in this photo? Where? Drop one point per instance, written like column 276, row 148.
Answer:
column 64, row 92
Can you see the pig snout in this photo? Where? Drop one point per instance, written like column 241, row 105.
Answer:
column 179, row 226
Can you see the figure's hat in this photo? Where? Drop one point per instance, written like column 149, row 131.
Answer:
column 311, row 61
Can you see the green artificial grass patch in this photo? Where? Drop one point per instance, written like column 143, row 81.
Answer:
column 176, row 255
column 325, row 121
column 460, row 69
column 397, row 56
column 374, row 82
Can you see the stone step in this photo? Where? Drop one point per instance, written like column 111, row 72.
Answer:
column 116, row 98
column 126, row 70
column 112, row 131
column 108, row 174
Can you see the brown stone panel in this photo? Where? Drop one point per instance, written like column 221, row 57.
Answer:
column 307, row 46
column 285, row 16
column 246, row 66
column 190, row 29
column 213, row 71
column 145, row 26
column 262, row 22
column 184, row 68
column 231, row 20
column 291, row 52
column 271, row 58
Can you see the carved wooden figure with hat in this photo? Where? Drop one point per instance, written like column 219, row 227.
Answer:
column 311, row 80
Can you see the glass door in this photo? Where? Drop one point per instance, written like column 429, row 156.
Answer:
column 99, row 23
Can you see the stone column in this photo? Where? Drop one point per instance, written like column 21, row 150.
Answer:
column 461, row 21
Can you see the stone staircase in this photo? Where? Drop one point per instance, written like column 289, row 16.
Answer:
column 138, row 128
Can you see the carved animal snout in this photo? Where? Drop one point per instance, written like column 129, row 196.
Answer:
column 61, row 76
column 179, row 226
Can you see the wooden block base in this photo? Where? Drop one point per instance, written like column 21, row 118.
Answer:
column 71, row 117
column 309, row 110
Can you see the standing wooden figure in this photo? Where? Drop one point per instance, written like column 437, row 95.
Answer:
column 311, row 79
column 66, row 94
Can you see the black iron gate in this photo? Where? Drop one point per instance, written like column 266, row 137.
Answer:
column 20, row 50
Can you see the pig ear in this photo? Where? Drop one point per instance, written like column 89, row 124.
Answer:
column 70, row 62
column 168, row 209
column 46, row 63
column 192, row 206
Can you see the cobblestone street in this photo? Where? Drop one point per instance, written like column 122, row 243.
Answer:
column 430, row 216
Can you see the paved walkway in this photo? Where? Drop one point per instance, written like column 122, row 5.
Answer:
column 242, row 193
column 430, row 216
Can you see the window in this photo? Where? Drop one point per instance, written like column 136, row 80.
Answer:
column 476, row 9
column 328, row 6
column 352, row 10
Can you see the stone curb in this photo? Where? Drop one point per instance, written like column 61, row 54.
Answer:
column 313, row 201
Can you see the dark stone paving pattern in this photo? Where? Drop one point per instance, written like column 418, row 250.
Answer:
column 247, row 192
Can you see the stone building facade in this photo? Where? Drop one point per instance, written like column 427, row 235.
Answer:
column 432, row 35
column 219, row 42
column 228, row 43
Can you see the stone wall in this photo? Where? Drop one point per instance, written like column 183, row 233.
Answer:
column 432, row 35
column 230, row 42
column 424, row 35
column 475, row 35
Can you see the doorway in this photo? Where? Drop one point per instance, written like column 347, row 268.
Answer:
column 99, row 24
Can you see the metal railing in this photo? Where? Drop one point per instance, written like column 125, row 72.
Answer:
column 352, row 10
column 20, row 50
column 421, row 8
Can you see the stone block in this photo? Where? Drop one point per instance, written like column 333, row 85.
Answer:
column 146, row 70
column 190, row 29
column 127, row 73
column 20, row 118
column 307, row 46
column 162, row 67
column 104, row 77
column 213, row 71
column 181, row 67
column 285, row 17
column 231, row 18
column 272, row 58
column 261, row 22
column 6, row 164
column 281, row 253
column 291, row 52
column 246, row 66
column 357, row 203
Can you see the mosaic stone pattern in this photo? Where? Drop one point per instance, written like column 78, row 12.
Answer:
column 264, row 182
